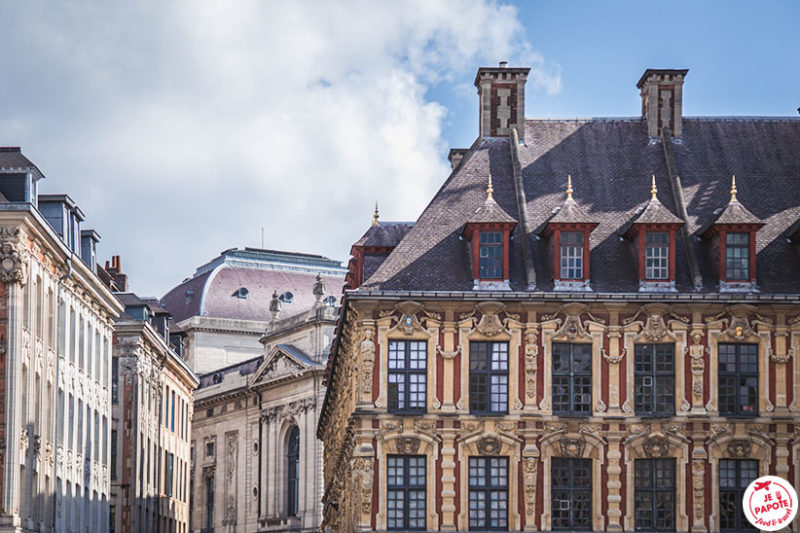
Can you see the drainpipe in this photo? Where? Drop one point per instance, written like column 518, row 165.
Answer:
column 61, row 280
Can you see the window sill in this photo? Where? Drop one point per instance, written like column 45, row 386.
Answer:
column 491, row 285
column 737, row 286
column 657, row 286
column 572, row 285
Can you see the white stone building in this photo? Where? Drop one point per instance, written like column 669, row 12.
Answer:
column 260, row 342
column 56, row 321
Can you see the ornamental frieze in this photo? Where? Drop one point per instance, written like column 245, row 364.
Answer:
column 489, row 446
column 405, row 316
column 407, row 445
column 485, row 318
column 12, row 266
column 654, row 328
column 739, row 448
column 656, row 446
column 572, row 447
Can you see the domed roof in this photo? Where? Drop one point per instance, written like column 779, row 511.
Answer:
column 239, row 284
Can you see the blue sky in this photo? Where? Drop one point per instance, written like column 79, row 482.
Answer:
column 743, row 58
column 183, row 131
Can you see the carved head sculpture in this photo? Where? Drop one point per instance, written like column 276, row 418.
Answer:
column 656, row 447
column 572, row 447
column 739, row 448
column 489, row 446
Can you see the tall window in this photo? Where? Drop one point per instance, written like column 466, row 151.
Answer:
column 571, row 255
column 571, row 492
column 735, row 475
column 491, row 255
column 170, row 468
column 293, row 478
column 737, row 256
column 654, row 494
column 488, row 377
column 172, row 422
column 738, row 379
column 654, row 379
column 572, row 378
column 656, row 255
column 114, row 454
column 407, row 375
column 210, row 502
column 405, row 494
column 488, row 493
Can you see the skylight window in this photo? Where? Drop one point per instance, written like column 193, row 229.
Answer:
column 287, row 297
column 241, row 293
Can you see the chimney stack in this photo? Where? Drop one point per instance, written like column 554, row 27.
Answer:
column 662, row 100
column 501, row 91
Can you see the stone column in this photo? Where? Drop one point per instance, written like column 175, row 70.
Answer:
column 697, row 364
column 449, row 354
column 613, row 358
column 448, row 478
column 781, row 357
column 530, row 473
column 614, row 497
column 271, row 458
column 699, row 462
column 531, row 366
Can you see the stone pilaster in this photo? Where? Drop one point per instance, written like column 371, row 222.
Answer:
column 614, row 470
column 449, row 353
column 448, row 479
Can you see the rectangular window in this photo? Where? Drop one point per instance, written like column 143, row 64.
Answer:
column 571, row 493
column 654, row 379
column 571, row 255
column 735, row 475
column 656, row 255
column 113, row 454
column 115, row 380
column 170, row 472
column 572, row 379
column 654, row 494
column 491, row 255
column 407, row 375
column 172, row 422
column 738, row 379
column 210, row 448
column 210, row 503
column 737, row 256
column 488, row 493
column 488, row 377
column 405, row 494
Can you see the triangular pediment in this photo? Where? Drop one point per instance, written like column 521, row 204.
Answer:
column 281, row 364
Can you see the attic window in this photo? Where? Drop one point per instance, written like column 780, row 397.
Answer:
column 330, row 301
column 287, row 297
column 189, row 294
column 216, row 378
column 241, row 293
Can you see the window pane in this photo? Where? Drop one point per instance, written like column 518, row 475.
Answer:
column 488, row 493
column 407, row 376
column 654, row 379
column 571, row 493
column 738, row 379
column 737, row 256
column 490, row 254
column 405, row 494
column 571, row 255
column 488, row 377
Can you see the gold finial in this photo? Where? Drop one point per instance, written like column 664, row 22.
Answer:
column 653, row 189
column 489, row 189
column 375, row 215
column 569, row 187
column 733, row 189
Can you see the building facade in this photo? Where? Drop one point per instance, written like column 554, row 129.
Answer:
column 152, row 408
column 257, row 465
column 55, row 329
column 592, row 326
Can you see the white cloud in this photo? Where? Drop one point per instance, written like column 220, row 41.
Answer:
column 184, row 128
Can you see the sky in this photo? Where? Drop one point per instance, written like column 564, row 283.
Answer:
column 184, row 128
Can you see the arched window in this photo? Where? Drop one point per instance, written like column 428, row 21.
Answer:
column 293, row 478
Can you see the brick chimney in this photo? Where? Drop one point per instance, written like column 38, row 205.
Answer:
column 662, row 100
column 119, row 278
column 501, row 91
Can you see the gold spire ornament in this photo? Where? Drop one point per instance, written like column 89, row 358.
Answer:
column 569, row 186
column 733, row 189
column 489, row 189
column 654, row 190
column 375, row 215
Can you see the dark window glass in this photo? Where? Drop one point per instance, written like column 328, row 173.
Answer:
column 571, row 491
column 408, row 372
column 114, row 380
column 170, row 457
column 488, row 377
column 572, row 379
column 113, row 454
column 491, row 255
column 488, row 493
column 571, row 255
column 293, row 478
column 656, row 255
column 654, row 379
column 735, row 475
column 738, row 379
column 210, row 503
column 654, row 495
column 737, row 256
column 405, row 494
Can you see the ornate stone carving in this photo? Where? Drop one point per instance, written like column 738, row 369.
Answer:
column 572, row 447
column 719, row 429
column 739, row 448
column 613, row 359
column 367, row 360
column 531, row 362
column 448, row 354
column 698, row 488
column 530, row 466
column 551, row 428
column 656, row 447
column 12, row 267
column 780, row 359
column 362, row 468
column 572, row 328
column 407, row 445
column 489, row 446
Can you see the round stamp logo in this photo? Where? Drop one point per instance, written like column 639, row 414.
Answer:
column 770, row 503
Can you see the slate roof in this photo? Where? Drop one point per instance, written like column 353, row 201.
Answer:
column 384, row 234
column 298, row 354
column 490, row 212
column 212, row 291
column 11, row 158
column 611, row 162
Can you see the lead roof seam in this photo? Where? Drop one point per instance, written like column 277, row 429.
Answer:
column 522, row 209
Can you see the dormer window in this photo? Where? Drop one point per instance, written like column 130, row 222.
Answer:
column 737, row 256
column 491, row 255
column 240, row 293
column 287, row 297
column 330, row 301
column 656, row 255
column 653, row 232
column 489, row 231
column 571, row 255
column 569, row 229
column 733, row 233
